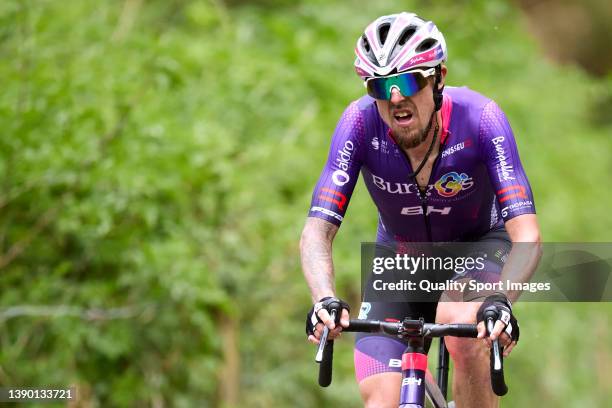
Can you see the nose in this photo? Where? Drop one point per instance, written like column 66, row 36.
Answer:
column 396, row 96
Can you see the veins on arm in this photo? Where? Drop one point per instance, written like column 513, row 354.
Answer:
column 316, row 254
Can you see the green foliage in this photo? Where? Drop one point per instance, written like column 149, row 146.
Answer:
column 157, row 162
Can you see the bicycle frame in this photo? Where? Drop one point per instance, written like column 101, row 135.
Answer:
column 414, row 367
column 414, row 385
column 436, row 391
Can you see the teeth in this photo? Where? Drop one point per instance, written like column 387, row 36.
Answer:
column 402, row 115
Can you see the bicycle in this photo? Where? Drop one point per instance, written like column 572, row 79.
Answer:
column 416, row 386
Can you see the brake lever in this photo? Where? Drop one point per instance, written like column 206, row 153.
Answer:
column 497, row 365
column 323, row 342
column 498, row 382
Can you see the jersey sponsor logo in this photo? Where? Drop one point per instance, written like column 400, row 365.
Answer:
column 418, row 210
column 456, row 148
column 504, row 168
column 333, row 196
column 393, row 188
column 327, row 212
column 375, row 143
column 397, row 188
column 506, row 210
column 381, row 144
column 364, row 310
column 450, row 184
column 340, row 177
column 416, row 59
column 426, row 56
column 510, row 192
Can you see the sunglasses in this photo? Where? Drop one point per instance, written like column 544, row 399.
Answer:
column 407, row 83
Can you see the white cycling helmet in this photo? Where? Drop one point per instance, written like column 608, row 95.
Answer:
column 396, row 43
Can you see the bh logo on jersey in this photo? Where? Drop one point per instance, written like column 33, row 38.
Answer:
column 452, row 183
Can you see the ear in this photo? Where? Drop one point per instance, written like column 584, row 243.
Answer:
column 441, row 81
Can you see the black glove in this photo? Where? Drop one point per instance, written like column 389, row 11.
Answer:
column 499, row 303
column 328, row 303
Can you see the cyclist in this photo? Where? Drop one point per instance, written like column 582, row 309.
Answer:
column 441, row 165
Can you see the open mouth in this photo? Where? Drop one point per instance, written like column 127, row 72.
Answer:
column 402, row 118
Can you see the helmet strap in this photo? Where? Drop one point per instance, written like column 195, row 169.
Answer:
column 437, row 93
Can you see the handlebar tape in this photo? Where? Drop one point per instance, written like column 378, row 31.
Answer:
column 325, row 366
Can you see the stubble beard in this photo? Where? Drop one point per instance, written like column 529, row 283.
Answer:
column 411, row 139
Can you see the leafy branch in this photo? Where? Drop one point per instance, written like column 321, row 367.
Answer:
column 93, row 314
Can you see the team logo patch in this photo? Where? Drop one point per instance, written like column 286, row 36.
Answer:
column 450, row 184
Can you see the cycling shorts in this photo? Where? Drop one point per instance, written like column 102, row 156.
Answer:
column 380, row 353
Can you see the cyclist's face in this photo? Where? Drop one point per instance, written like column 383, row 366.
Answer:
column 408, row 116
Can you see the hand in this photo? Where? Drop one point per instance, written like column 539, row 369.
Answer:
column 504, row 340
column 506, row 327
column 319, row 316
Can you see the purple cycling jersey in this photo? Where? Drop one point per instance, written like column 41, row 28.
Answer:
column 476, row 182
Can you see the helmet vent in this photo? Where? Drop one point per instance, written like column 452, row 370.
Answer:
column 366, row 44
column 383, row 31
column 368, row 50
column 426, row 45
column 406, row 35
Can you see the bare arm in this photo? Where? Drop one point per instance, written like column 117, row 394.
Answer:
column 526, row 250
column 520, row 266
column 316, row 253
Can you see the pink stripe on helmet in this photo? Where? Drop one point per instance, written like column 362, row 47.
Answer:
column 371, row 36
column 363, row 59
column 420, row 59
column 362, row 73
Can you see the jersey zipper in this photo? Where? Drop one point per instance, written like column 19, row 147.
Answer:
column 423, row 196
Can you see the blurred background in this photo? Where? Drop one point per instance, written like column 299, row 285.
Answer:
column 157, row 160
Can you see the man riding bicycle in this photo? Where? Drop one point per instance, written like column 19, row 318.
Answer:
column 441, row 165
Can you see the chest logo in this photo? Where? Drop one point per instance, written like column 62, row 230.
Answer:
column 450, row 184
column 457, row 147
